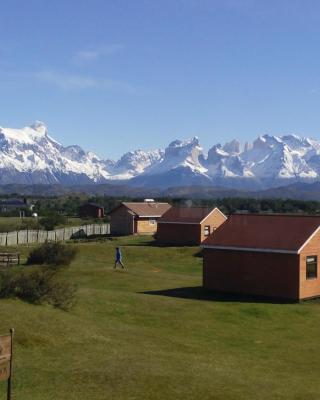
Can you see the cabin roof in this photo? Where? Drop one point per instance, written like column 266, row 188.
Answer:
column 288, row 233
column 191, row 215
column 145, row 209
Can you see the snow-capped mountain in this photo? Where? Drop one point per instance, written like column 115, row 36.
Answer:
column 269, row 161
column 29, row 155
column 181, row 164
column 135, row 163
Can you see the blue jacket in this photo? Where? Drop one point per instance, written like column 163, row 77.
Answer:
column 118, row 254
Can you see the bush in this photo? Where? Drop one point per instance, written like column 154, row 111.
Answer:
column 56, row 254
column 38, row 286
column 51, row 221
column 29, row 224
column 7, row 283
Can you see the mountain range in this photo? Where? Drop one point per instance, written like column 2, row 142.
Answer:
column 31, row 156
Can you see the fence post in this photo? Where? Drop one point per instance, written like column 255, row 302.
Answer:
column 71, row 230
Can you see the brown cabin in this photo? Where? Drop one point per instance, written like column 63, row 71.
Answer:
column 131, row 218
column 265, row 255
column 188, row 225
column 91, row 210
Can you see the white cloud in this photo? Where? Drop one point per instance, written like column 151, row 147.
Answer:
column 64, row 81
column 80, row 82
column 84, row 56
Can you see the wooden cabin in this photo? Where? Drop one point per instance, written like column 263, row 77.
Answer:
column 266, row 255
column 188, row 225
column 91, row 210
column 131, row 218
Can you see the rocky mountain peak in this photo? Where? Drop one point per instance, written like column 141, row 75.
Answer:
column 30, row 155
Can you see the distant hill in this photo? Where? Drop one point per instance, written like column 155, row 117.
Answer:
column 298, row 191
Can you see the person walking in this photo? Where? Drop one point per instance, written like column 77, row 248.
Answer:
column 118, row 258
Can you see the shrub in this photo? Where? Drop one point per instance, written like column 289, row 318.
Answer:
column 29, row 224
column 38, row 286
column 51, row 221
column 56, row 254
column 7, row 283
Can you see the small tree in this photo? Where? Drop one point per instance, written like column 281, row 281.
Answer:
column 38, row 286
column 55, row 254
column 52, row 220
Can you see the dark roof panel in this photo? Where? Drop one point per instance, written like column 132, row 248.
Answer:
column 91, row 204
column 274, row 232
column 191, row 215
column 13, row 202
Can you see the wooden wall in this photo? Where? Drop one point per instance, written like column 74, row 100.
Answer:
column 124, row 222
column 310, row 287
column 121, row 222
column 214, row 220
column 252, row 273
column 144, row 227
column 180, row 234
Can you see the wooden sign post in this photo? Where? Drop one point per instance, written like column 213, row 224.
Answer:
column 6, row 347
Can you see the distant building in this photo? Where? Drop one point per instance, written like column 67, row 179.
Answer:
column 188, row 225
column 131, row 218
column 266, row 255
column 91, row 210
column 8, row 205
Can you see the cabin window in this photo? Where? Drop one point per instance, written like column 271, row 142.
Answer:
column 152, row 221
column 312, row 267
column 207, row 230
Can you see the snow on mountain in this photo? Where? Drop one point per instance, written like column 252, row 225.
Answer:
column 221, row 163
column 232, row 147
column 181, row 164
column 134, row 163
column 30, row 155
column 279, row 157
column 179, row 154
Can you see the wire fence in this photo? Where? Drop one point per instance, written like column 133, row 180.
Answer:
column 58, row 235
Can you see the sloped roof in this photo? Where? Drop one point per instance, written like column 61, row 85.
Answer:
column 13, row 202
column 286, row 233
column 147, row 209
column 91, row 204
column 189, row 215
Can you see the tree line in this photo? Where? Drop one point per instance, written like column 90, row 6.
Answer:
column 69, row 205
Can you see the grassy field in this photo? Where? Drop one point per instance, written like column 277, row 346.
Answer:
column 9, row 224
column 151, row 333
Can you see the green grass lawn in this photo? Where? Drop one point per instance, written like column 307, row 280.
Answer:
column 124, row 341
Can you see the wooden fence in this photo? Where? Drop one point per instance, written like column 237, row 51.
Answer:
column 58, row 235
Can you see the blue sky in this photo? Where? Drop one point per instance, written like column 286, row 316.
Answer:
column 114, row 76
